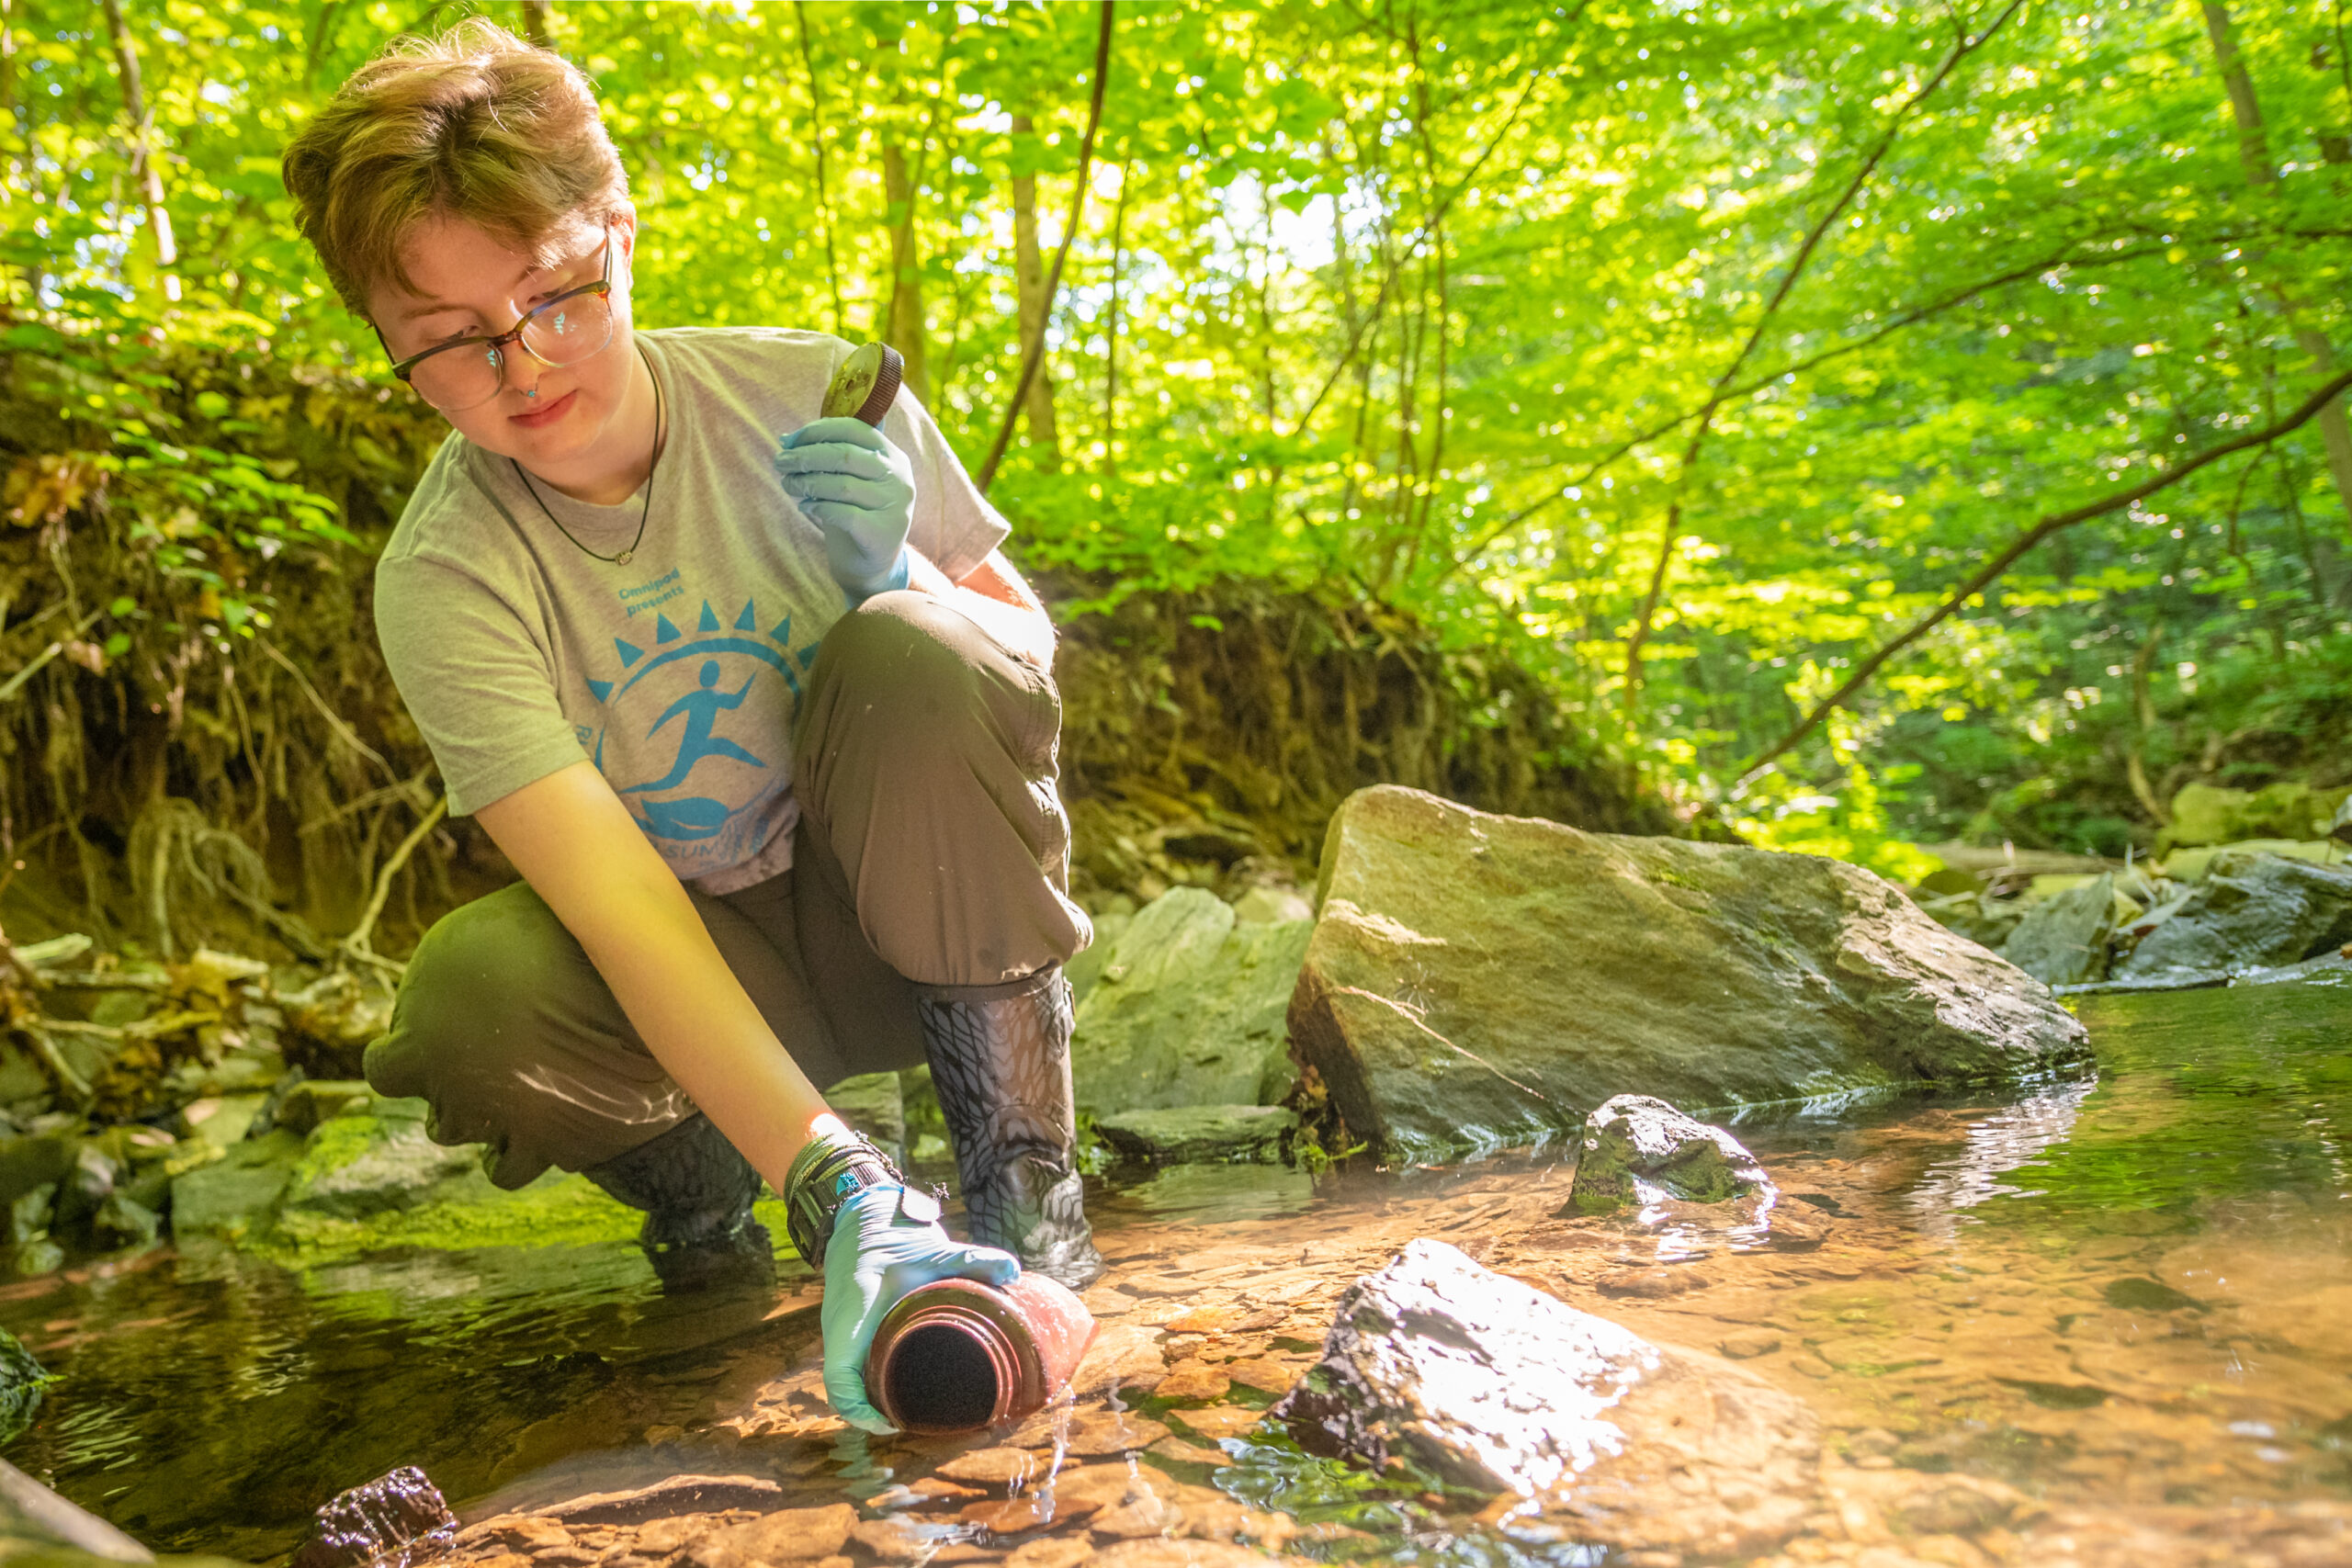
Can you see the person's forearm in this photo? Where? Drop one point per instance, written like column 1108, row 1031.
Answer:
column 580, row 849
column 651, row 948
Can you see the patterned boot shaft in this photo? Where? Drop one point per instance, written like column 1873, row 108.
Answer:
column 697, row 1192
column 1001, row 1070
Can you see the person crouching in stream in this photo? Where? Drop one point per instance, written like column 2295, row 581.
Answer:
column 750, row 698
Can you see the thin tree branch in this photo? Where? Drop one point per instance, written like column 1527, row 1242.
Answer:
column 1721, row 391
column 1437, row 216
column 817, row 140
column 359, row 943
column 1033, row 350
column 335, row 723
column 1887, row 329
column 2051, row 524
column 146, row 167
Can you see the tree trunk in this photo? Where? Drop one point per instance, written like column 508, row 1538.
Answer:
column 902, row 326
column 1029, row 275
column 1111, row 342
column 534, row 22
column 2254, row 152
column 816, row 142
column 145, row 170
column 9, row 63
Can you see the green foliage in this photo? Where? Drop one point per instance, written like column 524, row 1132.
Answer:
column 1414, row 303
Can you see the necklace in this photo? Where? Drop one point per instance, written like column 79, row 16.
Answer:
column 653, row 465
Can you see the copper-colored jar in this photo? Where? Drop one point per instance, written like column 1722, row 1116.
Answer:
column 957, row 1356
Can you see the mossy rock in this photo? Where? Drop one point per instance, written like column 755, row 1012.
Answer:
column 23, row 1380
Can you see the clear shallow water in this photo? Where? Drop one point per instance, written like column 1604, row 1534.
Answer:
column 2130, row 1291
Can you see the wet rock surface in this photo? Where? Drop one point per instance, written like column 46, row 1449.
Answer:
column 1435, row 1365
column 1489, row 978
column 1201, row 1133
column 1638, row 1149
column 1185, row 1007
column 1438, row 1366
column 397, row 1519
column 2062, row 941
column 2250, row 911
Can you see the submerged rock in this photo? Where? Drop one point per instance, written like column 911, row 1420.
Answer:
column 1437, row 1364
column 2250, row 911
column 1186, row 1008
column 394, row 1519
column 1439, row 1367
column 1487, row 979
column 23, row 1380
column 2062, row 941
column 1637, row 1149
column 1200, row 1134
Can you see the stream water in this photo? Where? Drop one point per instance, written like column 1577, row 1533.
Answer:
column 2128, row 1292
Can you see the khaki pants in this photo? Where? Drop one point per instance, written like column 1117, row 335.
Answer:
column 932, row 851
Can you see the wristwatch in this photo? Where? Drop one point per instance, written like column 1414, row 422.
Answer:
column 829, row 1171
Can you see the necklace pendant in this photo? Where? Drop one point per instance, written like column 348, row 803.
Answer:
column 622, row 558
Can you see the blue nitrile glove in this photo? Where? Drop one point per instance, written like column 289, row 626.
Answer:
column 860, row 491
column 877, row 1254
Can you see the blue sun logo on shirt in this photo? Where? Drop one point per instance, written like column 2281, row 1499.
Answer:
column 668, row 717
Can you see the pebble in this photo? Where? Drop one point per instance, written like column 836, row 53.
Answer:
column 1177, row 1450
column 1652, row 1284
column 1263, row 1374
column 1748, row 1343
column 790, row 1535
column 896, row 1540
column 1062, row 1552
column 1193, row 1380
column 993, row 1467
column 1094, row 1435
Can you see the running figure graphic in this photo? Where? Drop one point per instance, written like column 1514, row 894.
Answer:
column 702, row 709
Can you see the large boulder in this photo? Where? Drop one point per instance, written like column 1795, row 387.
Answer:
column 1438, row 1367
column 1485, row 980
column 1186, row 1008
column 2250, row 911
column 2062, row 939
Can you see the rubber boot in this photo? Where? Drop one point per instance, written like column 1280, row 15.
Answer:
column 697, row 1193
column 999, row 1061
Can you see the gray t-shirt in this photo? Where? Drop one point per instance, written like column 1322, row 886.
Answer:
column 678, row 674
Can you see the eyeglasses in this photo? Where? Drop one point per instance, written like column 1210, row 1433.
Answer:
column 467, row 372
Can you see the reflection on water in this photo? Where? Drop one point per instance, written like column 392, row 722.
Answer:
column 2124, row 1293
column 2010, row 1139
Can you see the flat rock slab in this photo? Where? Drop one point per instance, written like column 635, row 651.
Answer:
column 2252, row 912
column 1200, row 1134
column 2062, row 941
column 1438, row 1365
column 1187, row 1008
column 1482, row 980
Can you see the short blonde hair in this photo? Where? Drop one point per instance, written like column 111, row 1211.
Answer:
column 474, row 125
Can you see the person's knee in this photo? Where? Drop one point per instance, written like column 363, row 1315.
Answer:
column 464, row 1005
column 902, row 645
